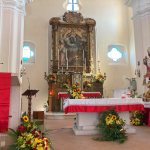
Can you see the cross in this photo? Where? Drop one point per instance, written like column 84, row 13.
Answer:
column 76, row 57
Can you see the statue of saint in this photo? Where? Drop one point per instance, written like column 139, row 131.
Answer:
column 146, row 62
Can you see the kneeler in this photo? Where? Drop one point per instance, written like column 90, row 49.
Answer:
column 5, row 83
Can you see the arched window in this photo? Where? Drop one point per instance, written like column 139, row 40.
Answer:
column 72, row 5
column 27, row 53
column 115, row 54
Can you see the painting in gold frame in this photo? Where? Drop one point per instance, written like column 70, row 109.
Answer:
column 72, row 46
column 72, row 39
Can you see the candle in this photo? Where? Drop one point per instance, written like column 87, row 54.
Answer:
column 67, row 63
column 58, row 58
column 98, row 54
column 83, row 54
column 62, row 70
column 58, row 54
column 66, row 54
column 85, row 63
column 51, row 54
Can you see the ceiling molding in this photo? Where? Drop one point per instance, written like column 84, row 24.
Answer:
column 18, row 6
column 141, row 8
column 130, row 3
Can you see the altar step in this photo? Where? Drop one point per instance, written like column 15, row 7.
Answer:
column 128, row 128
column 59, row 115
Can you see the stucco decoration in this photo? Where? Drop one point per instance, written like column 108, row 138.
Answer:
column 141, row 8
column 18, row 6
column 67, row 1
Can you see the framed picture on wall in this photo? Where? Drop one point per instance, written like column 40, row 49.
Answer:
column 72, row 42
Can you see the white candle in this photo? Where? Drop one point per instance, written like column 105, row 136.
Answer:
column 58, row 54
column 67, row 63
column 98, row 54
column 51, row 54
column 66, row 54
column 83, row 54
column 58, row 58
column 58, row 64
column 85, row 63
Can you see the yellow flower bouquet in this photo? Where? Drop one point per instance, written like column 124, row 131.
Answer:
column 137, row 118
column 87, row 85
column 111, row 127
column 99, row 78
column 65, row 86
column 29, row 136
column 75, row 93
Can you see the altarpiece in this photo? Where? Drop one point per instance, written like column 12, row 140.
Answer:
column 72, row 52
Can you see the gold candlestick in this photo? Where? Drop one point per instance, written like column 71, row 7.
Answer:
column 67, row 73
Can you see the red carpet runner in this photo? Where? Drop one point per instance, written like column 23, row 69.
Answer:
column 5, row 81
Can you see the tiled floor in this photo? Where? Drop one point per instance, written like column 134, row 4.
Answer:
column 63, row 138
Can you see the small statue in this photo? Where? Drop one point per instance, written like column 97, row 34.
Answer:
column 146, row 62
column 146, row 95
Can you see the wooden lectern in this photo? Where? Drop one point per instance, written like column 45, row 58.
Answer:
column 29, row 93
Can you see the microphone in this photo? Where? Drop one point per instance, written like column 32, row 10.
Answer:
column 29, row 83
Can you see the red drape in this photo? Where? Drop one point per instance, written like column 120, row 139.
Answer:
column 5, row 83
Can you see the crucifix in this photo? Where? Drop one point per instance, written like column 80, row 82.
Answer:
column 76, row 57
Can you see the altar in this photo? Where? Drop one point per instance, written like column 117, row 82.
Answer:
column 88, row 112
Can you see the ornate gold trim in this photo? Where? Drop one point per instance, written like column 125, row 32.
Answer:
column 88, row 23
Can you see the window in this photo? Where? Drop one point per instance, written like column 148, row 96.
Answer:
column 27, row 53
column 72, row 5
column 115, row 54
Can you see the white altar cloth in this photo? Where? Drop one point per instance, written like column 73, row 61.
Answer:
column 87, row 119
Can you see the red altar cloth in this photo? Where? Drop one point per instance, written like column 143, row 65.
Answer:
column 146, row 118
column 5, row 83
column 85, row 94
column 99, row 105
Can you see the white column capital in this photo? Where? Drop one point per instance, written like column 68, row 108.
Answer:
column 18, row 6
column 141, row 8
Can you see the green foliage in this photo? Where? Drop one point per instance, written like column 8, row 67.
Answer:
column 133, row 95
column 111, row 127
column 102, row 81
column 29, row 132
column 48, row 102
column 137, row 117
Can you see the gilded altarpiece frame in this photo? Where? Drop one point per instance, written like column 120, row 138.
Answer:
column 72, row 37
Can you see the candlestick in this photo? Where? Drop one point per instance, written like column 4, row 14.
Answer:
column 85, row 63
column 66, row 54
column 83, row 54
column 62, row 70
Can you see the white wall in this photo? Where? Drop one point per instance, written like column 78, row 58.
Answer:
column 112, row 20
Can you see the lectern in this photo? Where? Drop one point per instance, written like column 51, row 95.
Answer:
column 29, row 93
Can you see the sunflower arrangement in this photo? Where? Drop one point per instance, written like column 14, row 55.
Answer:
column 137, row 118
column 111, row 127
column 87, row 85
column 52, row 79
column 29, row 136
column 99, row 78
column 75, row 92
column 65, row 86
